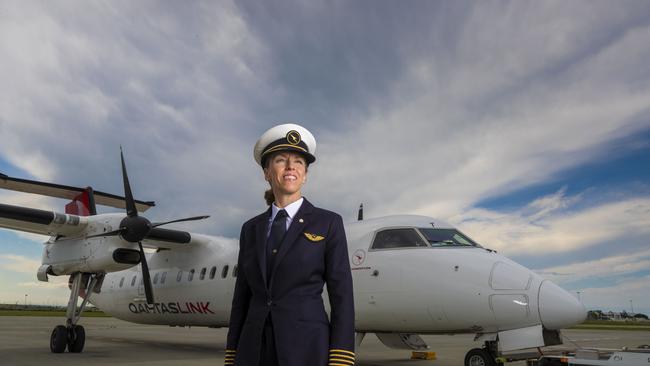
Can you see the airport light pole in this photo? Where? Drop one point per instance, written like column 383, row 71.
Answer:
column 25, row 300
column 632, row 306
column 579, row 299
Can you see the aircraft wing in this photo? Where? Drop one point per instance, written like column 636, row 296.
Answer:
column 67, row 192
column 40, row 221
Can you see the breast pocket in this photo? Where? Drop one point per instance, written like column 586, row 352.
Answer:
column 311, row 249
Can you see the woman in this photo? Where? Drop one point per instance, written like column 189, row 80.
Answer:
column 287, row 254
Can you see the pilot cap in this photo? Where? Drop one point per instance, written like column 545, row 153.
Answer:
column 286, row 137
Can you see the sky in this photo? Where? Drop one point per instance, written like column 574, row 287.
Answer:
column 526, row 124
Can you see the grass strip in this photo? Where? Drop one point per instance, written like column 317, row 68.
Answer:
column 612, row 327
column 49, row 313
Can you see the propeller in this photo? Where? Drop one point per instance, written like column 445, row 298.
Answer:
column 134, row 229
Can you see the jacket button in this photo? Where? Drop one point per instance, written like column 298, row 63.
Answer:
column 269, row 303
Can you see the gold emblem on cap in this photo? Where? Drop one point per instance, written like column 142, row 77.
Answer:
column 293, row 137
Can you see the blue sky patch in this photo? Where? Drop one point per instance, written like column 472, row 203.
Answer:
column 623, row 169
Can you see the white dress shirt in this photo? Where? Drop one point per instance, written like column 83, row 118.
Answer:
column 292, row 210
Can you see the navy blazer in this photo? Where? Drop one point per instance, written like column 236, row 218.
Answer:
column 313, row 253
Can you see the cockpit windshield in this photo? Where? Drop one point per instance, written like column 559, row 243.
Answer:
column 409, row 237
column 446, row 238
column 398, row 238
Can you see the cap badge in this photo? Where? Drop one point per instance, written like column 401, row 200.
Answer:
column 293, row 137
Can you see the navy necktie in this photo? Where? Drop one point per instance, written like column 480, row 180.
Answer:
column 278, row 229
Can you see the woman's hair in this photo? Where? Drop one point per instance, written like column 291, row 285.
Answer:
column 269, row 197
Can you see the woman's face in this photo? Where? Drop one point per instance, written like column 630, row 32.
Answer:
column 286, row 172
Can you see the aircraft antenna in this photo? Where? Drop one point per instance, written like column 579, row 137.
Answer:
column 360, row 214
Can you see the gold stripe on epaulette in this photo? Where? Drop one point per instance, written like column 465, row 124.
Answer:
column 336, row 359
column 314, row 237
column 342, row 350
column 342, row 356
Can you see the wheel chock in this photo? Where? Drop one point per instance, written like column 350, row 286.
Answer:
column 419, row 355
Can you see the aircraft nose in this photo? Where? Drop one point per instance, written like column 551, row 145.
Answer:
column 557, row 308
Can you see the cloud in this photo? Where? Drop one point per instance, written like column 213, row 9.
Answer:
column 30, row 201
column 552, row 225
column 602, row 268
column 412, row 116
column 55, row 282
column 19, row 277
column 18, row 263
column 617, row 297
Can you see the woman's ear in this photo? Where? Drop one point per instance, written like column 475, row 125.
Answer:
column 266, row 174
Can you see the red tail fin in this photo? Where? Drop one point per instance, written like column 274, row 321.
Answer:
column 83, row 204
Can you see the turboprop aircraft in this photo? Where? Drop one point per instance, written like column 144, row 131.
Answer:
column 412, row 275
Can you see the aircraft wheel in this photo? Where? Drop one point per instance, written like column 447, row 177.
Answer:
column 479, row 357
column 59, row 339
column 76, row 339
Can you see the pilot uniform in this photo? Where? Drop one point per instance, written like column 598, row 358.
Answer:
column 277, row 308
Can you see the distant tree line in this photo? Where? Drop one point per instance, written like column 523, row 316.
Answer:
column 610, row 315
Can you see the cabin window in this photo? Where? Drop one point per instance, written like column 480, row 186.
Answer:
column 190, row 276
column 133, row 280
column 122, row 282
column 398, row 238
column 163, row 277
column 179, row 276
column 446, row 238
column 202, row 276
column 224, row 271
column 234, row 271
column 155, row 278
column 213, row 271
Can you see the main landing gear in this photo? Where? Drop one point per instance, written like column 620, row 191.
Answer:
column 71, row 335
column 485, row 356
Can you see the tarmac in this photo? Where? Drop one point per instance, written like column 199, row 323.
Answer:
column 25, row 341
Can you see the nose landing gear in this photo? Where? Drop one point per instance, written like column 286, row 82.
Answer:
column 485, row 356
column 71, row 335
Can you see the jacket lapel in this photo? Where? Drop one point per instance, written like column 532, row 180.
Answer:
column 260, row 241
column 297, row 226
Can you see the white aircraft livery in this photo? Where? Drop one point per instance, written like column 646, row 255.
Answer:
column 412, row 275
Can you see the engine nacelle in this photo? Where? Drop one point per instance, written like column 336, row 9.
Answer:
column 95, row 255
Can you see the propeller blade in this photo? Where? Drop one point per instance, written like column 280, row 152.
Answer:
column 171, row 236
column 110, row 233
column 146, row 278
column 131, row 211
column 180, row 220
